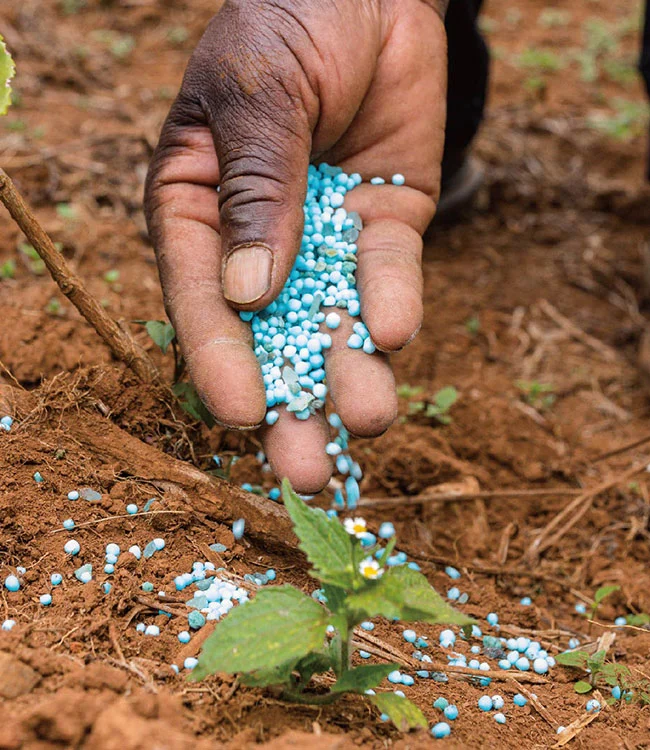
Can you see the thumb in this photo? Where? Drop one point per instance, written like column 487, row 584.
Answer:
column 262, row 134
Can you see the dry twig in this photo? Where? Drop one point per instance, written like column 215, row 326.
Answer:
column 119, row 341
column 567, row 518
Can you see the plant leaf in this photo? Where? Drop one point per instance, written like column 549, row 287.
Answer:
column 596, row 661
column 190, row 402
column 315, row 663
column 445, row 398
column 335, row 598
column 604, row 591
column 7, row 72
column 278, row 627
column 577, row 659
column 404, row 594
column 362, row 678
column 582, row 687
column 273, row 676
column 404, row 714
column 326, row 543
column 161, row 333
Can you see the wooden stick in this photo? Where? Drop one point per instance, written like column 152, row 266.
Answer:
column 431, row 497
column 574, row 511
column 575, row 727
column 374, row 645
column 119, row 341
column 536, row 704
column 608, row 353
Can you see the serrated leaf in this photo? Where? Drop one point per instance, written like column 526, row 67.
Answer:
column 161, row 333
column 362, row 678
column 316, row 663
column 577, row 659
column 404, row 594
column 582, row 687
column 279, row 626
column 604, row 591
column 190, row 402
column 325, row 542
column 404, row 714
column 7, row 72
column 445, row 398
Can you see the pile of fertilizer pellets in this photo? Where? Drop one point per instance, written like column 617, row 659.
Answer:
column 289, row 343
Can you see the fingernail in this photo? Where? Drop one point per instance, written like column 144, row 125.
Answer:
column 247, row 274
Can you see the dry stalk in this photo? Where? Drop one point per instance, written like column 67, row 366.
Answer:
column 119, row 341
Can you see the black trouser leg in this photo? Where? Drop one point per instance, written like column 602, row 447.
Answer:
column 644, row 62
column 467, row 81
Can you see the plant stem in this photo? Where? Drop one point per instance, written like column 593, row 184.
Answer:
column 294, row 696
column 119, row 341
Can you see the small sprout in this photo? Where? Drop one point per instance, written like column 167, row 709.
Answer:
column 34, row 261
column 550, row 18
column 178, row 35
column 66, row 211
column 542, row 60
column 473, row 325
column 8, row 269
column 538, row 395
column 112, row 276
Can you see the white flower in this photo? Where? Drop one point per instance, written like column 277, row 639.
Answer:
column 369, row 568
column 355, row 526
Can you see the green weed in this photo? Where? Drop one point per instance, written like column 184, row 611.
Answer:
column 439, row 407
column 599, row 672
column 8, row 269
column 538, row 395
column 628, row 121
column 540, row 60
column 550, row 18
column 34, row 260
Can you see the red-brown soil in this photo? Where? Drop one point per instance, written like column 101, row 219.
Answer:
column 561, row 227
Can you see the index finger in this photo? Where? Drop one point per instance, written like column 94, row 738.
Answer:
column 183, row 217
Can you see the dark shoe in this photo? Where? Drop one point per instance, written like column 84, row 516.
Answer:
column 459, row 189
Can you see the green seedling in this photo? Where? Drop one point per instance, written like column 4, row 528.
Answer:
column 630, row 120
column 409, row 391
column 164, row 335
column 66, row 211
column 538, row 395
column 8, row 269
column 551, row 18
column 599, row 597
column 437, row 409
column 284, row 637
column 112, row 276
column 473, row 325
column 178, row 35
column 119, row 45
column 16, row 125
column 53, row 307
column 598, row 672
column 34, row 261
column 540, row 60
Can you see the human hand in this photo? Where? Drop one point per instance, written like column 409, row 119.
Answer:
column 272, row 85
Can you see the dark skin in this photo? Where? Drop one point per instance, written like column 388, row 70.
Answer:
column 273, row 85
